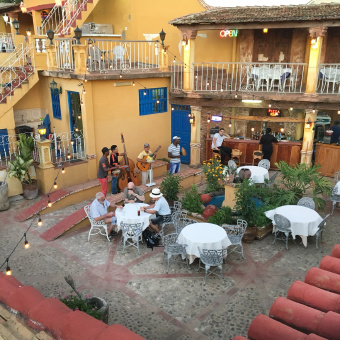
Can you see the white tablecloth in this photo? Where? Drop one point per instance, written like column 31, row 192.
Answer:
column 258, row 174
column 304, row 221
column 204, row 236
column 129, row 214
column 337, row 188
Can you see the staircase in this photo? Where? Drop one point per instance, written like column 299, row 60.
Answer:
column 63, row 19
column 17, row 76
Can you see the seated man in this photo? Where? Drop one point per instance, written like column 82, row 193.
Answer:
column 242, row 175
column 99, row 212
column 160, row 208
column 133, row 194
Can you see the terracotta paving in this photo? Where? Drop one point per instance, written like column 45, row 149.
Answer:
column 142, row 297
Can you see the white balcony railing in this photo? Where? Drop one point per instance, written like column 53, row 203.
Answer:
column 40, row 45
column 329, row 79
column 116, row 55
column 6, row 42
column 243, row 77
column 64, row 53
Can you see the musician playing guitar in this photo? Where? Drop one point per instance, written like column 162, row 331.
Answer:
column 114, row 163
column 144, row 160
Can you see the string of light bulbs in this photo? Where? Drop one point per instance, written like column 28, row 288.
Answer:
column 39, row 223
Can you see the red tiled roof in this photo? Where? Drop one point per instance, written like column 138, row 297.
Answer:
column 234, row 15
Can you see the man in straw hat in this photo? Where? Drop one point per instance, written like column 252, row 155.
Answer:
column 160, row 208
column 174, row 153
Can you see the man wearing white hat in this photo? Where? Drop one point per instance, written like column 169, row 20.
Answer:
column 160, row 208
column 174, row 153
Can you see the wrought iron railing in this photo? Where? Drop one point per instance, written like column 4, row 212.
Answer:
column 238, row 77
column 329, row 79
column 116, row 55
column 6, row 42
column 40, row 45
column 64, row 53
column 177, row 69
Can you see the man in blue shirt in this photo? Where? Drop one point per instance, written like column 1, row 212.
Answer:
column 98, row 212
column 160, row 208
column 336, row 132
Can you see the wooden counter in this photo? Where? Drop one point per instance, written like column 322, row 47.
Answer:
column 328, row 156
column 282, row 151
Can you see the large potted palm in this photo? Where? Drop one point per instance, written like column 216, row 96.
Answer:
column 19, row 168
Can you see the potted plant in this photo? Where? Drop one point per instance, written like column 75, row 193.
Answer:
column 192, row 201
column 170, row 187
column 213, row 171
column 19, row 168
column 222, row 216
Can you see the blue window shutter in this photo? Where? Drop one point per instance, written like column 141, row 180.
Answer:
column 55, row 105
column 148, row 103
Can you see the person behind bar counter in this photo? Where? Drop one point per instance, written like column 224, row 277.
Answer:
column 267, row 141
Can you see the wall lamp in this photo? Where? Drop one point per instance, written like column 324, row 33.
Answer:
column 54, row 88
column 16, row 25
column 191, row 118
column 265, row 30
column 6, row 19
column 42, row 130
column 308, row 124
column 185, row 40
column 78, row 34
column 28, row 32
column 162, row 35
column 50, row 35
column 314, row 42
column 23, row 7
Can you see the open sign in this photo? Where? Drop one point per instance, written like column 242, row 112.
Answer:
column 228, row 33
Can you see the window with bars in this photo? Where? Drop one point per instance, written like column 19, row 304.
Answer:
column 153, row 101
column 56, row 105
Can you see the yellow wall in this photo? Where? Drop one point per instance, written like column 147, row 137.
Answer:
column 31, row 99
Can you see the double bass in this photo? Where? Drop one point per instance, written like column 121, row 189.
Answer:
column 127, row 175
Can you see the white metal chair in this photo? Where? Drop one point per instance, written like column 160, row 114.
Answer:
column 120, row 60
column 131, row 232
column 235, row 234
column 172, row 248
column 176, row 207
column 306, row 202
column 320, row 231
column 335, row 197
column 264, row 163
column 282, row 226
column 97, row 227
column 276, row 76
column 264, row 72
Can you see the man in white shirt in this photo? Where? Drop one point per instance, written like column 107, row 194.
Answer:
column 217, row 144
column 160, row 208
column 98, row 212
column 174, row 153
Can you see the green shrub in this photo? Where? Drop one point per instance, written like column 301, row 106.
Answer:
column 192, row 201
column 222, row 216
column 170, row 187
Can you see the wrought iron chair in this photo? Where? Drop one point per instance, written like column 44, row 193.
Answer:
column 257, row 154
column 177, row 206
column 320, row 231
column 177, row 218
column 183, row 222
column 97, row 227
column 172, row 248
column 282, row 226
column 335, row 197
column 306, row 202
column 131, row 232
column 264, row 163
column 235, row 234
column 211, row 258
column 272, row 179
column 337, row 176
column 168, row 220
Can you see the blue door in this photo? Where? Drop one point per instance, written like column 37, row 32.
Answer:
column 4, row 150
column 180, row 126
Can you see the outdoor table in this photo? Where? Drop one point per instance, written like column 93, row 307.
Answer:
column 203, row 235
column 129, row 215
column 258, row 174
column 304, row 221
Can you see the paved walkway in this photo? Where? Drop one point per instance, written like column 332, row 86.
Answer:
column 145, row 299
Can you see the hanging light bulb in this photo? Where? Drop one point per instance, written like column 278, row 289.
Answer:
column 76, row 129
column 85, row 80
column 230, row 122
column 157, row 101
column 49, row 203
column 84, row 90
column 133, row 83
column 196, row 76
column 174, row 59
column 121, row 75
column 282, row 129
column 338, row 112
column 235, row 95
column 185, row 67
column 55, row 185
column 62, row 170
column 144, row 93
column 269, row 105
column 209, row 119
column 313, row 111
column 27, row 245
column 68, row 155
column 208, row 83
column 172, row 108
column 79, row 117
column 252, row 129
column 8, row 269
column 291, row 108
column 39, row 222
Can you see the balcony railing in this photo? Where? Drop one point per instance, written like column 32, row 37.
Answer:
column 116, row 55
column 243, row 77
column 64, row 53
column 329, row 79
column 6, row 42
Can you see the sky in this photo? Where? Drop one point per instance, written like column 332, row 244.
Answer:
column 233, row 3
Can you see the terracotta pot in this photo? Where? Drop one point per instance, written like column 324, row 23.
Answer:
column 249, row 235
column 30, row 190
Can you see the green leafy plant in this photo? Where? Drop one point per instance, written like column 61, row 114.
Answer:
column 170, row 187
column 192, row 201
column 300, row 178
column 213, row 171
column 19, row 168
column 222, row 216
column 76, row 301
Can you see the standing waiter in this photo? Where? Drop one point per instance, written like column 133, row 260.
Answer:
column 267, row 141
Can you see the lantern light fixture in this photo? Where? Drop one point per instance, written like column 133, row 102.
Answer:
column 308, row 124
column 8, row 269
column 78, row 34
column 50, row 35
column 54, row 88
column 28, row 32
column 184, row 40
column 162, row 35
column 314, row 42
column 191, row 118
column 42, row 130
column 16, row 25
column 6, row 19
column 230, row 122
column 265, row 30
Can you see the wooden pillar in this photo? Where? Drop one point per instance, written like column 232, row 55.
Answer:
column 314, row 58
column 195, row 141
column 189, row 37
column 308, row 137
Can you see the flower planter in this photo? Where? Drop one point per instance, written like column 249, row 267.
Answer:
column 102, row 306
column 4, row 203
column 30, row 190
column 262, row 232
column 249, row 235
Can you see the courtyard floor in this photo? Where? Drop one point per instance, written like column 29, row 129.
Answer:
column 141, row 296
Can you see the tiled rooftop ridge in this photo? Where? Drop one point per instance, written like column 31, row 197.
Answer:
column 311, row 309
column 50, row 316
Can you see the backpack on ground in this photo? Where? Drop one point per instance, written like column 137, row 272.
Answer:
column 150, row 238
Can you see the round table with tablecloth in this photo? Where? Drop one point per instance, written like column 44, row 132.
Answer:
column 129, row 215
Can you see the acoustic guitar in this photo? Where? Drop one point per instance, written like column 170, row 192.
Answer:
column 145, row 164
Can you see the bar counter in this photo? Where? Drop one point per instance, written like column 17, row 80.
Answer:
column 282, row 151
column 328, row 156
